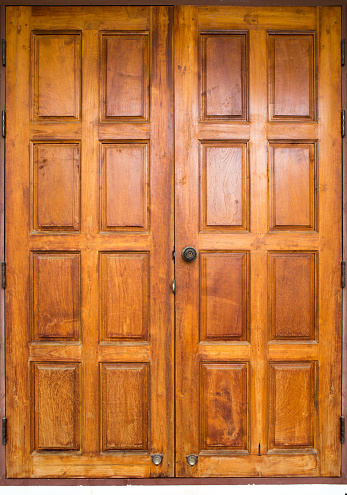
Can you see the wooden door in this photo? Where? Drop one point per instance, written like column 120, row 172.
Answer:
column 89, row 305
column 89, row 236
column 258, row 195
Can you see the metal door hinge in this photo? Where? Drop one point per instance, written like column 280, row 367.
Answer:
column 343, row 52
column 342, row 429
column 3, row 274
column 4, row 431
column 4, row 53
column 343, row 274
column 3, row 123
column 174, row 286
column 343, row 123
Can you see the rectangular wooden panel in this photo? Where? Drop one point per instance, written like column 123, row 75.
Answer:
column 124, row 296
column 223, row 295
column 292, row 405
column 55, row 406
column 292, row 76
column 293, row 296
column 56, row 186
column 223, row 17
column 56, row 70
column 124, row 186
column 224, row 406
column 55, row 296
column 224, row 185
column 224, row 80
column 292, row 175
column 125, row 76
column 124, row 406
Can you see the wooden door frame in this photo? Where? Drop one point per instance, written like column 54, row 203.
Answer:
column 173, row 481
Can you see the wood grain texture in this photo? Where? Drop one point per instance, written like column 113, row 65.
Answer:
column 293, row 183
column 124, row 415
column 67, row 247
column 124, row 186
column 224, row 406
column 256, row 18
column 224, row 88
column 55, row 296
column 224, row 186
column 224, row 296
column 292, row 412
column 287, row 238
column 56, row 186
column 55, row 406
column 293, row 296
column 124, row 296
column 57, row 93
column 125, row 76
column 186, row 64
column 292, row 420
column 330, row 294
column 292, row 93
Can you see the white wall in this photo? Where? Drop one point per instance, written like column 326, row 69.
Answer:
column 179, row 490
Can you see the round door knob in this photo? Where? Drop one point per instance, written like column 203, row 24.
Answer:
column 157, row 459
column 189, row 254
column 192, row 459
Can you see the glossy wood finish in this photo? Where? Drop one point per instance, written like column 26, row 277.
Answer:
column 55, row 296
column 88, row 299
column 56, row 186
column 224, row 305
column 56, row 406
column 223, row 77
column 224, row 187
column 241, row 364
column 290, row 236
column 293, row 303
column 131, row 100
column 293, row 178
column 124, row 186
column 56, row 95
column 124, row 415
column 292, row 410
column 292, row 81
column 220, row 385
column 124, row 296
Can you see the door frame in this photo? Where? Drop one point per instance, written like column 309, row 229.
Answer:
column 174, row 481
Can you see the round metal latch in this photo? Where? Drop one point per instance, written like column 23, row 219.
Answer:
column 189, row 254
column 192, row 459
column 157, row 458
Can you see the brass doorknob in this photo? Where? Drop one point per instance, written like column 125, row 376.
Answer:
column 189, row 254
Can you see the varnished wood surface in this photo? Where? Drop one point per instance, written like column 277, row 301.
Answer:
column 258, row 313
column 290, row 237
column 92, row 344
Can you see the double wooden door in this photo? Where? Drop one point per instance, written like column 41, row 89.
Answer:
column 119, row 155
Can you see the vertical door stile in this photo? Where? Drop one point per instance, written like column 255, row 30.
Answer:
column 330, row 227
column 89, row 257
column 258, row 226
column 162, row 207
column 16, row 247
column 187, row 274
